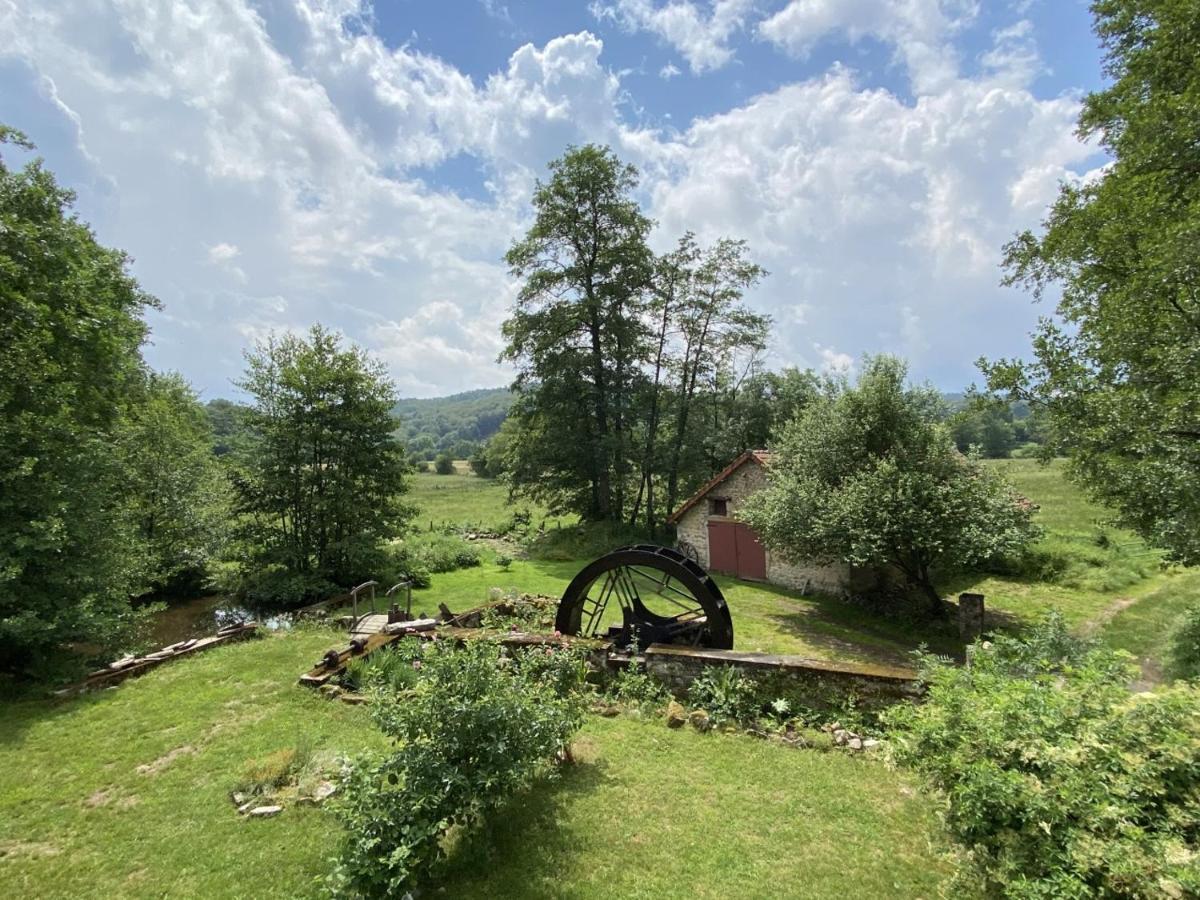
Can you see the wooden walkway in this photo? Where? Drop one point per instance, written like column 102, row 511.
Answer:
column 132, row 666
column 369, row 624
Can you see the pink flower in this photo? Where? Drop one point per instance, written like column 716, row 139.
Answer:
column 557, row 633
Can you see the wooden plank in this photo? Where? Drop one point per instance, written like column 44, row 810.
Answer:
column 109, row 676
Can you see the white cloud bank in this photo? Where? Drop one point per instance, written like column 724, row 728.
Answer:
column 275, row 164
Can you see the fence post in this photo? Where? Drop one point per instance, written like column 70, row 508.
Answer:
column 970, row 616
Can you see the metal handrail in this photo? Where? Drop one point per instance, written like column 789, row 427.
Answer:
column 354, row 596
column 407, row 585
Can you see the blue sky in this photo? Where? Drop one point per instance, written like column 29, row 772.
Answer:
column 271, row 163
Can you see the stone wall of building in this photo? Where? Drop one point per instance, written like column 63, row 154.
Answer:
column 834, row 578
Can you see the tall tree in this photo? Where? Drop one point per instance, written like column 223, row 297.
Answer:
column 869, row 475
column 577, row 333
column 714, row 324
column 322, row 479
column 70, row 338
column 179, row 492
column 1118, row 370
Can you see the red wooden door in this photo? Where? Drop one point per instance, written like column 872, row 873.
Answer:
column 722, row 546
column 751, row 556
column 734, row 549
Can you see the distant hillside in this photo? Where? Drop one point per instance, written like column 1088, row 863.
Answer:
column 456, row 424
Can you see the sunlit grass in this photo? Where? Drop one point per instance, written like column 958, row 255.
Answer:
column 646, row 812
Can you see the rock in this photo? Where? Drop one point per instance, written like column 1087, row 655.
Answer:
column 265, row 812
column 610, row 712
column 245, row 807
column 331, row 690
column 676, row 714
column 352, row 699
column 324, row 791
column 700, row 720
column 870, row 744
column 840, row 736
column 238, row 798
column 855, row 743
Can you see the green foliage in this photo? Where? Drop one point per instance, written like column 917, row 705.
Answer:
column 1115, row 371
column 476, row 727
column 726, row 694
column 458, row 425
column 582, row 542
column 635, row 686
column 264, row 774
column 444, row 464
column 70, row 333
column 1059, row 782
column 867, row 475
column 1185, row 644
column 627, row 364
column 434, row 552
column 181, row 496
column 320, row 481
column 394, row 668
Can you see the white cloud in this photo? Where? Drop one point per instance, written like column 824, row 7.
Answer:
column 702, row 39
column 219, row 253
column 833, row 362
column 920, row 30
column 669, row 71
column 268, row 166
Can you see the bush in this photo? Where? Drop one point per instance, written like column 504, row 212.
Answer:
column 274, row 586
column 443, row 465
column 414, row 558
column 584, row 541
column 726, row 694
column 1059, row 782
column 476, row 727
column 1185, row 645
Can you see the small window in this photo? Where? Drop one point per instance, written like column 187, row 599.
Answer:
column 718, row 506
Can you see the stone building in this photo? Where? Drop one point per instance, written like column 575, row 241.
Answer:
column 708, row 522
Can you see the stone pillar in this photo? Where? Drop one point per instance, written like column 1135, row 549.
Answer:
column 970, row 616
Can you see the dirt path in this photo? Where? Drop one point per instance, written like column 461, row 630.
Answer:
column 1093, row 626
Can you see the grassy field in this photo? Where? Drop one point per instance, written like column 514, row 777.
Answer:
column 1094, row 570
column 468, row 500
column 125, row 793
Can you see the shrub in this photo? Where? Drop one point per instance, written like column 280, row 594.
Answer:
column 416, row 557
column 274, row 586
column 476, row 727
column 726, row 694
column 1185, row 645
column 443, row 465
column 503, row 560
column 1059, row 782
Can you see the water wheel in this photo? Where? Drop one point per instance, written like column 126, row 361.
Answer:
column 643, row 595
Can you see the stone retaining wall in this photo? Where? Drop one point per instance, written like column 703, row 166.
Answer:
column 677, row 667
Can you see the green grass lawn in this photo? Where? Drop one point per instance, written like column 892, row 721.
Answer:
column 468, row 500
column 646, row 812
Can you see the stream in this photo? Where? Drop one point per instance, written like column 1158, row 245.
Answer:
column 201, row 616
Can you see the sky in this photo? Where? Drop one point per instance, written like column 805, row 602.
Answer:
column 269, row 164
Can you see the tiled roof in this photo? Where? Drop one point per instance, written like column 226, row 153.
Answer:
column 762, row 457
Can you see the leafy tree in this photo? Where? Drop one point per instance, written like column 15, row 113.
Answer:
column 180, row 494
column 714, row 325
column 70, row 333
column 1116, row 372
column 576, row 333
column 985, row 425
column 868, row 475
column 443, row 465
column 226, row 421
column 322, row 478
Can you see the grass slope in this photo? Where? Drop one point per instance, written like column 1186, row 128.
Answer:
column 647, row 811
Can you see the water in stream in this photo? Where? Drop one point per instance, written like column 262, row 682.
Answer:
column 202, row 616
